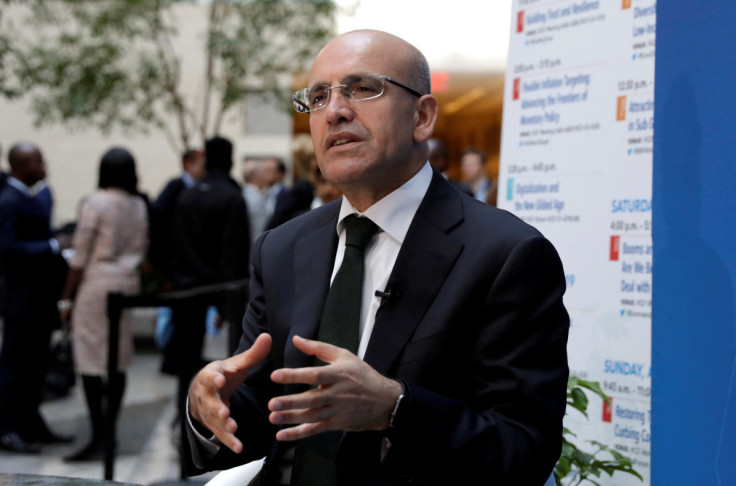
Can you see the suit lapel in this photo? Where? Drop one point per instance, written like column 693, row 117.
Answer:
column 313, row 261
column 426, row 257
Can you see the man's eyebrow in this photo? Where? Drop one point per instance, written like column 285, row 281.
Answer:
column 318, row 84
column 346, row 79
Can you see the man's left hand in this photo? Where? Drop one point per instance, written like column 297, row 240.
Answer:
column 348, row 394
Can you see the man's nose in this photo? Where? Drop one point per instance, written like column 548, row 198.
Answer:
column 339, row 105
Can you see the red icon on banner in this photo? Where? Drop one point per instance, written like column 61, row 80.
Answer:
column 608, row 410
column 615, row 243
column 520, row 21
column 517, row 88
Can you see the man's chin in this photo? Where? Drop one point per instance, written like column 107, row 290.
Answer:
column 345, row 171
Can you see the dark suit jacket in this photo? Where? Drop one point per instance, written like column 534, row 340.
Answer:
column 459, row 186
column 33, row 277
column 211, row 232
column 291, row 203
column 475, row 326
column 33, row 273
column 163, row 216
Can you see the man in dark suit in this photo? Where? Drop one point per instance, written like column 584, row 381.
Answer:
column 439, row 158
column 33, row 275
column 289, row 201
column 3, row 182
column 163, row 210
column 459, row 376
column 211, row 245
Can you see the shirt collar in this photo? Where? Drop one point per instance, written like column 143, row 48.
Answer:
column 188, row 180
column 20, row 186
column 395, row 212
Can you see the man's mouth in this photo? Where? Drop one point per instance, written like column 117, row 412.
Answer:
column 341, row 139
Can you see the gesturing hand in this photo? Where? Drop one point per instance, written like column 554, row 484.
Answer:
column 211, row 389
column 349, row 394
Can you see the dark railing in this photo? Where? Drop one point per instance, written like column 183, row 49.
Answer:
column 228, row 292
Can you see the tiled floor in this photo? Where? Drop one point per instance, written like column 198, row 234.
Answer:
column 146, row 454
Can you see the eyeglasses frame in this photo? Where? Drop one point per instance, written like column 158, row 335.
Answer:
column 329, row 89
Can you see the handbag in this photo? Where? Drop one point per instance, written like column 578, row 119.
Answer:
column 60, row 378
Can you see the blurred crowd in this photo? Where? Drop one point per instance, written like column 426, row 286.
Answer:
column 197, row 232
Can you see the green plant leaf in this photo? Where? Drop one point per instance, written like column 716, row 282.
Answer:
column 583, row 466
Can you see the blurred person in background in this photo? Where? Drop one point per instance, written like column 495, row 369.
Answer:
column 110, row 241
column 275, row 174
column 3, row 174
column 162, row 210
column 33, row 270
column 473, row 164
column 297, row 199
column 324, row 190
column 3, row 182
column 255, row 186
column 212, row 246
column 439, row 158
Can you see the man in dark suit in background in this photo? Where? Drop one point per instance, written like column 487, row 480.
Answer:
column 460, row 368
column 3, row 174
column 3, row 182
column 163, row 210
column 291, row 201
column 439, row 158
column 211, row 245
column 33, row 272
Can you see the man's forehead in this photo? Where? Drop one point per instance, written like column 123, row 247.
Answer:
column 354, row 53
column 339, row 71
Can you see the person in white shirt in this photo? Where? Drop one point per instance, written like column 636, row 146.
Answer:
column 255, row 186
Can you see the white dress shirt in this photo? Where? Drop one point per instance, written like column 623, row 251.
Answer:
column 393, row 214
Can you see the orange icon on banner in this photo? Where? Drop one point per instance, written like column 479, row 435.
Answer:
column 625, row 4
column 621, row 108
column 520, row 21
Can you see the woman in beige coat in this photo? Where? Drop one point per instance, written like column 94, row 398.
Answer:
column 109, row 244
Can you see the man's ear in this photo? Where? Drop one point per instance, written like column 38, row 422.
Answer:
column 425, row 117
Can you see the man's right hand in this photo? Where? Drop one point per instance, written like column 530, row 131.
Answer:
column 211, row 389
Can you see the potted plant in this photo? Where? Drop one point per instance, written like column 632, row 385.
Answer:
column 576, row 466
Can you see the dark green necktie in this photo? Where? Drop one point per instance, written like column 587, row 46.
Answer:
column 315, row 456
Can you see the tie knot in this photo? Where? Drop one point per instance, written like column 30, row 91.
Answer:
column 359, row 231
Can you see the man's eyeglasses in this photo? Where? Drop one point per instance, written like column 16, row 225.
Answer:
column 360, row 87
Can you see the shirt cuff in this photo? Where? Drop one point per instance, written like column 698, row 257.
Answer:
column 210, row 445
column 54, row 246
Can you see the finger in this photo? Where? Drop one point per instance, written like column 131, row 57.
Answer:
column 224, row 430
column 211, row 376
column 212, row 414
column 232, row 443
column 313, row 375
column 326, row 352
column 252, row 356
column 301, row 431
column 314, row 398
column 302, row 416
